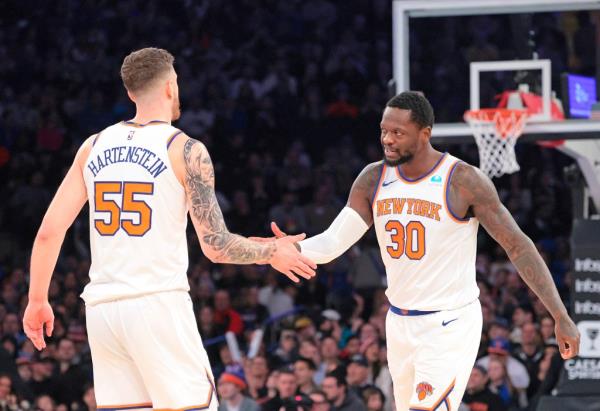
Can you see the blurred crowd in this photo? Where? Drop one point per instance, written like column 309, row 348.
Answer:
column 287, row 96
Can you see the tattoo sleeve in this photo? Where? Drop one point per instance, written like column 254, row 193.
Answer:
column 217, row 242
column 472, row 186
column 362, row 190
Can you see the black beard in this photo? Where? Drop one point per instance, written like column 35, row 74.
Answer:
column 395, row 163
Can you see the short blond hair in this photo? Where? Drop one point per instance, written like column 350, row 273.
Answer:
column 142, row 67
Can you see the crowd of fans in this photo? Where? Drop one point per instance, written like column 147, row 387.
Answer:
column 287, row 96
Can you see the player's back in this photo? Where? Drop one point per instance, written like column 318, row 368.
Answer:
column 138, row 214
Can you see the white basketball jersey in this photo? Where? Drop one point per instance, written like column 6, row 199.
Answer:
column 138, row 214
column 429, row 253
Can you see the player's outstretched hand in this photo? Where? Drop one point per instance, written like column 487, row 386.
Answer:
column 288, row 260
column 37, row 317
column 567, row 336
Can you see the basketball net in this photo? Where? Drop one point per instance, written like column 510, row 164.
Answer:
column 496, row 131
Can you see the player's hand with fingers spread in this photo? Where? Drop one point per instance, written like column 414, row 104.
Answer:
column 567, row 336
column 288, row 260
column 38, row 315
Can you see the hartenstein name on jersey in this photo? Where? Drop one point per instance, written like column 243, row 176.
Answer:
column 128, row 154
column 412, row 206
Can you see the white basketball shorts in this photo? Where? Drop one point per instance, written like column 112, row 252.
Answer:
column 431, row 356
column 147, row 354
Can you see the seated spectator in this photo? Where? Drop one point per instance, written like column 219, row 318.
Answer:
column 330, row 357
column 225, row 316
column 231, row 387
column 45, row 403
column 530, row 353
column 547, row 329
column 69, row 379
column 256, row 378
column 320, row 402
column 286, row 386
column 252, row 312
column 304, row 369
column 379, row 373
column 499, row 349
column 357, row 376
column 337, row 393
column 286, row 350
column 501, row 384
column 477, row 396
column 373, row 398
column 305, row 328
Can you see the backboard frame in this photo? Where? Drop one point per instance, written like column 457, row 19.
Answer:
column 403, row 10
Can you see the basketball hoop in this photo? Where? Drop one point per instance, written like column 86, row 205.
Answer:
column 496, row 132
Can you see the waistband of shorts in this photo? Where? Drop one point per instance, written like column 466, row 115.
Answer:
column 410, row 313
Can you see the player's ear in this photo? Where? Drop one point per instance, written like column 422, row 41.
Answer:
column 170, row 89
column 425, row 133
column 131, row 96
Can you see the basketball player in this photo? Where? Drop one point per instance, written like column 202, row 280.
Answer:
column 141, row 177
column 426, row 207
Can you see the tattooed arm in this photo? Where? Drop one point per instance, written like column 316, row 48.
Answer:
column 471, row 191
column 362, row 191
column 217, row 243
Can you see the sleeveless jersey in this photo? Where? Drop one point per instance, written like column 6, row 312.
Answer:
column 429, row 253
column 138, row 214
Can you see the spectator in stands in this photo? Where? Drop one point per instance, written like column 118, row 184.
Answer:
column 69, row 378
column 530, row 353
column 252, row 312
column 373, row 398
column 501, row 384
column 320, row 402
column 45, row 403
column 547, row 329
column 225, row 316
column 330, row 357
column 338, row 394
column 257, row 373
column 304, row 369
column 286, row 388
column 478, row 397
column 379, row 373
column 309, row 348
column 231, row 387
column 286, row 350
column 357, row 376
column 522, row 315
column 499, row 349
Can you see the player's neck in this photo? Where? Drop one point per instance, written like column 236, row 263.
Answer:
column 421, row 163
column 147, row 113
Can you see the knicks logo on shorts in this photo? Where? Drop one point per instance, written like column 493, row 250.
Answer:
column 424, row 389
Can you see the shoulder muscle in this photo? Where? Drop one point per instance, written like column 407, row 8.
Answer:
column 362, row 190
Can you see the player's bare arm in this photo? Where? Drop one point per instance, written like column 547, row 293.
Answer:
column 362, row 189
column 473, row 192
column 349, row 226
column 64, row 208
column 217, row 243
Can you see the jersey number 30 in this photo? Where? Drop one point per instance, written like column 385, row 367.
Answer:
column 130, row 204
column 409, row 240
